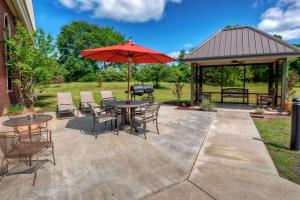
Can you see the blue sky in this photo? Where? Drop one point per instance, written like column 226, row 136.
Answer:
column 172, row 25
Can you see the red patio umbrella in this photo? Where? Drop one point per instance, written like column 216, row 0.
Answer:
column 126, row 53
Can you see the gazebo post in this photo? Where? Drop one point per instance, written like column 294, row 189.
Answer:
column 200, row 80
column 244, row 82
column 193, row 84
column 283, row 84
column 276, row 81
column 271, row 77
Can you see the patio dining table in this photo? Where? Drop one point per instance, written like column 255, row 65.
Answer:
column 127, row 107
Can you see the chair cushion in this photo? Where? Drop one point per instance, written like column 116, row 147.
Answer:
column 85, row 104
column 66, row 107
column 104, row 118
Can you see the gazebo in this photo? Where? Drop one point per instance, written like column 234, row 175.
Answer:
column 241, row 46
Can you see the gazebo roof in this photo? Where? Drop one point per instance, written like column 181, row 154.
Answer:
column 245, row 42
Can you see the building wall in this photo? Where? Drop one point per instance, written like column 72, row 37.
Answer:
column 4, row 97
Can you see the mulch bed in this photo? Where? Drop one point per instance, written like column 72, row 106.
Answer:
column 270, row 116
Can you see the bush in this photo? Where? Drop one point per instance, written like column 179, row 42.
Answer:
column 91, row 77
column 259, row 111
column 59, row 79
column 15, row 108
column 207, row 105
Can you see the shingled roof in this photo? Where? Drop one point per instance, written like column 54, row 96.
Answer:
column 241, row 42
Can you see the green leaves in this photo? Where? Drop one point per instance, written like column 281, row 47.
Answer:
column 31, row 62
column 80, row 35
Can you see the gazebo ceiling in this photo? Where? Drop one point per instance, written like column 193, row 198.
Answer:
column 241, row 45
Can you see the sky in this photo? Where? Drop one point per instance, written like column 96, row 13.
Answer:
column 172, row 25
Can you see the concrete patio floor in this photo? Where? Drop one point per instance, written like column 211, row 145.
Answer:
column 198, row 155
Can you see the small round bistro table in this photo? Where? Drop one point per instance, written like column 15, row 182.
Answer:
column 127, row 106
column 28, row 121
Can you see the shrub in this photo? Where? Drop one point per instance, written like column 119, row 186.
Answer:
column 207, row 105
column 15, row 108
column 259, row 111
column 90, row 77
column 59, row 79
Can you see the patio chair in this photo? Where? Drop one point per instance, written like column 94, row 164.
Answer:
column 106, row 97
column 150, row 115
column 85, row 99
column 65, row 104
column 267, row 99
column 101, row 116
column 24, row 148
column 148, row 99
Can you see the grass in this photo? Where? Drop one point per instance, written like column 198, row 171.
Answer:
column 276, row 136
column 47, row 100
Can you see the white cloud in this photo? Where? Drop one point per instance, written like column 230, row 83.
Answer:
column 282, row 19
column 188, row 45
column 174, row 54
column 121, row 10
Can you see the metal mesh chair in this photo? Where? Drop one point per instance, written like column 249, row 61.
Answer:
column 150, row 115
column 24, row 147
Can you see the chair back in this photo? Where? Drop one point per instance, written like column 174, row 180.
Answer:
column 153, row 109
column 93, row 110
column 64, row 98
column 16, row 145
column 86, row 97
column 149, row 99
column 107, row 95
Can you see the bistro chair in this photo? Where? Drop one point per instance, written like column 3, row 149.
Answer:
column 24, row 148
column 148, row 99
column 101, row 116
column 150, row 115
column 65, row 104
column 85, row 99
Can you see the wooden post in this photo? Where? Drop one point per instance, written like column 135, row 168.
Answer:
column 283, row 84
column 192, row 84
column 271, row 77
column 276, row 67
column 222, row 77
column 201, row 80
column 197, row 84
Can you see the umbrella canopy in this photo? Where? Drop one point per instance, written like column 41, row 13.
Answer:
column 126, row 53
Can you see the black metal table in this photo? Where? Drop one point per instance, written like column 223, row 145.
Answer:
column 127, row 107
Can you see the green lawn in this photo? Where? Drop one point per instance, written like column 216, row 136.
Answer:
column 47, row 101
column 276, row 136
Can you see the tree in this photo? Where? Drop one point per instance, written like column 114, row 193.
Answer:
column 81, row 35
column 278, row 36
column 178, row 84
column 152, row 72
column 32, row 63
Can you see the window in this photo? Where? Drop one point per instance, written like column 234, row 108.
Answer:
column 7, row 34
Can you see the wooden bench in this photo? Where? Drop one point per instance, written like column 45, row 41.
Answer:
column 237, row 93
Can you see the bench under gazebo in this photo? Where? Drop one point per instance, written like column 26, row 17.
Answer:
column 240, row 47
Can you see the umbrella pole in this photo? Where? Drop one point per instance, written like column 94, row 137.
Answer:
column 128, row 78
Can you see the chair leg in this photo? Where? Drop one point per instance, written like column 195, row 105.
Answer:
column 53, row 154
column 93, row 126
column 2, row 164
column 144, row 129
column 33, row 183
column 157, row 126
